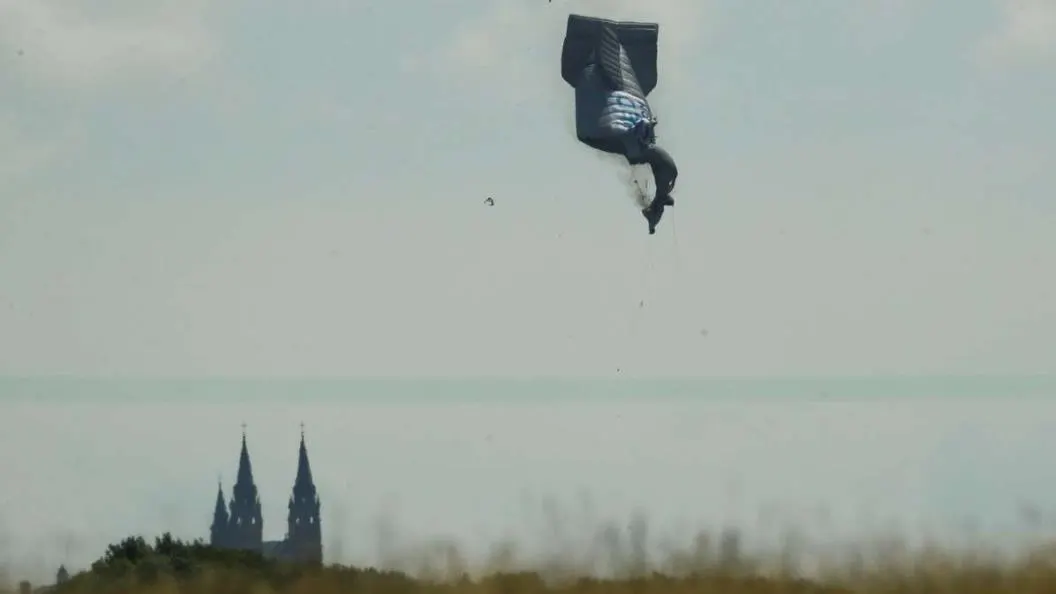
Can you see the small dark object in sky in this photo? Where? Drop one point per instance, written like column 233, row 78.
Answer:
column 489, row 201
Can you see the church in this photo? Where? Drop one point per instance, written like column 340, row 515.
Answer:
column 239, row 525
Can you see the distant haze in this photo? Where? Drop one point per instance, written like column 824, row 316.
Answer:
column 399, row 464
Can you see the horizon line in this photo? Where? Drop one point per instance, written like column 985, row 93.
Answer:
column 526, row 377
column 402, row 390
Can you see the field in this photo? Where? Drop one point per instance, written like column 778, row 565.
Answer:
column 170, row 566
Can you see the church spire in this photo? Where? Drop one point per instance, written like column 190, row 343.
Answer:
column 245, row 467
column 304, row 470
column 303, row 530
column 218, row 531
column 245, row 522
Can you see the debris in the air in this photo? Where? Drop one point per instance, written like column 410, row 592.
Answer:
column 490, row 201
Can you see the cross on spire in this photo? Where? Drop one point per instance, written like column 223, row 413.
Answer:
column 302, row 429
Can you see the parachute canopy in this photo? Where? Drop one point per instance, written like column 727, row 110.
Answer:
column 612, row 66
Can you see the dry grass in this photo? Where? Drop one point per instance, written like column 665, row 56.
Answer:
column 931, row 572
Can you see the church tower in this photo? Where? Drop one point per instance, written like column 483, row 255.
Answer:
column 218, row 531
column 245, row 524
column 304, row 534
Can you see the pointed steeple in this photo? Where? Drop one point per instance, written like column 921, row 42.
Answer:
column 304, row 533
column 218, row 531
column 246, row 525
column 304, row 470
column 245, row 467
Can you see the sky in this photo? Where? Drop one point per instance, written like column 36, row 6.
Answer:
column 544, row 464
column 197, row 189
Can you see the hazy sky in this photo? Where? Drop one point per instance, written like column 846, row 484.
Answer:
column 86, row 464
column 280, row 189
